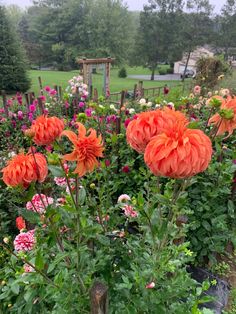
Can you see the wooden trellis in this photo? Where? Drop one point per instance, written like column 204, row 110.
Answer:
column 87, row 66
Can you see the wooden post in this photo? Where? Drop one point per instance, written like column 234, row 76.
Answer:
column 95, row 95
column 135, row 91
column 60, row 92
column 40, row 85
column 4, row 99
column 32, row 97
column 99, row 298
column 40, row 105
column 27, row 101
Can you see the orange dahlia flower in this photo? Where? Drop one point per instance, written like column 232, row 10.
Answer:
column 149, row 124
column 225, row 124
column 24, row 169
column 46, row 129
column 86, row 149
column 178, row 153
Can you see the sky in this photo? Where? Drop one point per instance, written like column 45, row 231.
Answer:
column 132, row 4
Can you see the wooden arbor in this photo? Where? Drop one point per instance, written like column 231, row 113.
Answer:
column 87, row 66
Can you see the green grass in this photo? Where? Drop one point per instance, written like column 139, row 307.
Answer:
column 59, row 78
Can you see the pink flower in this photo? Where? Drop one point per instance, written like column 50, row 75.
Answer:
column 81, row 104
column 52, row 92
column 60, row 201
column 30, row 116
column 20, row 115
column 9, row 102
column 127, row 122
column 28, row 268
column 150, row 285
column 129, row 212
column 88, row 112
column 24, row 241
column 32, row 108
column 105, row 218
column 123, row 198
column 66, row 104
column 39, row 203
column 107, row 163
column 60, row 181
column 24, row 127
column 42, row 97
column 197, row 90
column 125, row 169
column 49, row 148
column 47, row 88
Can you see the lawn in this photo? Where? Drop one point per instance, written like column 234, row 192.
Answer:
column 59, row 78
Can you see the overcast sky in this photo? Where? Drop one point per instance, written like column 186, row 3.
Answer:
column 133, row 4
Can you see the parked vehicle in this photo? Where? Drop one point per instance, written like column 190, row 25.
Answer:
column 188, row 73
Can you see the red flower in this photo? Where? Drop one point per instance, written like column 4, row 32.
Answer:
column 20, row 223
column 126, row 169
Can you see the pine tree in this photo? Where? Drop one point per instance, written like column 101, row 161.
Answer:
column 13, row 67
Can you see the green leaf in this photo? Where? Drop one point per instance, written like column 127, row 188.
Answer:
column 82, row 196
column 56, row 171
column 206, row 225
column 30, row 216
column 39, row 263
column 15, row 288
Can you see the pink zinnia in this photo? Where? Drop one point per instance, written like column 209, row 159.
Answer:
column 39, row 203
column 47, row 88
column 28, row 268
column 150, row 285
column 24, row 241
column 197, row 90
column 129, row 211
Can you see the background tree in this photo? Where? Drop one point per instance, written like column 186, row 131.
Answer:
column 197, row 28
column 158, row 38
column 13, row 66
column 225, row 29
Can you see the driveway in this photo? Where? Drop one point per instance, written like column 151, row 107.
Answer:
column 166, row 77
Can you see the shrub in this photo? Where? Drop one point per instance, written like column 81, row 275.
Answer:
column 170, row 71
column 122, row 73
column 209, row 71
column 12, row 60
column 162, row 72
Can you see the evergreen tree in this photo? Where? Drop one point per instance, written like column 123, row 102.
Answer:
column 13, row 73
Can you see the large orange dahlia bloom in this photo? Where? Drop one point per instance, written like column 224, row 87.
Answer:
column 223, row 124
column 178, row 153
column 23, row 169
column 46, row 129
column 86, row 149
column 149, row 124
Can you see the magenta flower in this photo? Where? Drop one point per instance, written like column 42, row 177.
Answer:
column 52, row 92
column 150, row 285
column 20, row 115
column 47, row 89
column 107, row 163
column 32, row 108
column 81, row 104
column 88, row 112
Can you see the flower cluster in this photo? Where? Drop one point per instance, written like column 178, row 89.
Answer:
column 170, row 149
column 77, row 86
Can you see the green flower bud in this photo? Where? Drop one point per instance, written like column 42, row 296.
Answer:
column 227, row 114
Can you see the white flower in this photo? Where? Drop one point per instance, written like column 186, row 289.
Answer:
column 131, row 110
column 142, row 101
column 157, row 106
column 101, row 106
column 112, row 107
column 123, row 198
column 149, row 104
column 11, row 154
